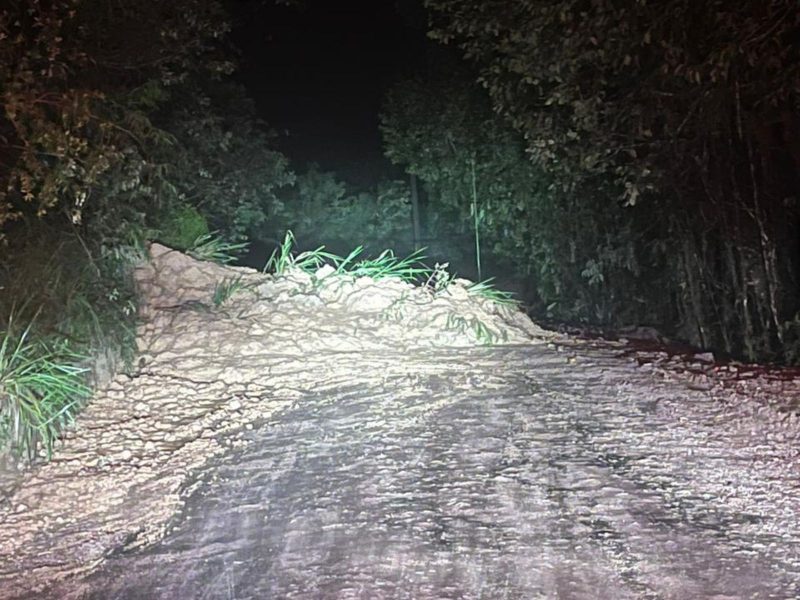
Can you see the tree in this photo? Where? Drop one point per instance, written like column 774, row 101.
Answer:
column 222, row 161
column 582, row 257
column 688, row 107
column 80, row 81
column 320, row 209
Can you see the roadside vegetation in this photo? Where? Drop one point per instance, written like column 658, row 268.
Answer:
column 387, row 265
column 636, row 161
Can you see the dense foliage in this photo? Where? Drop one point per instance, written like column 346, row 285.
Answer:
column 577, row 252
column 78, row 93
column 117, row 113
column 222, row 162
column 321, row 209
column 689, row 108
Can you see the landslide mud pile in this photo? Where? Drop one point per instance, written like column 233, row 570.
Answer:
column 221, row 349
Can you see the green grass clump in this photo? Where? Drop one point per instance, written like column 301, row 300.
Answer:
column 225, row 290
column 386, row 265
column 211, row 247
column 42, row 387
column 282, row 258
column 485, row 289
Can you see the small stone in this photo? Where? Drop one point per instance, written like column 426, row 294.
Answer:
column 125, row 455
column 235, row 404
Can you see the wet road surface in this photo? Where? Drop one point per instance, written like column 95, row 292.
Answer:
column 509, row 472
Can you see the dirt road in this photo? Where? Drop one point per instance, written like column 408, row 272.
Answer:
column 304, row 449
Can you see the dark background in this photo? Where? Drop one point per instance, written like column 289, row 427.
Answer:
column 317, row 73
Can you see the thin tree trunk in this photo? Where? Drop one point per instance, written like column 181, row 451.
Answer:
column 694, row 294
column 415, row 212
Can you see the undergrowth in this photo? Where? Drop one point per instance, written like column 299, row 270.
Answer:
column 385, row 265
column 42, row 387
column 212, row 247
column 67, row 319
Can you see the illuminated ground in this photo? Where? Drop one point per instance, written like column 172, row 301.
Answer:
column 351, row 440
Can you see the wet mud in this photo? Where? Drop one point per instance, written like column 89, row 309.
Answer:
column 344, row 441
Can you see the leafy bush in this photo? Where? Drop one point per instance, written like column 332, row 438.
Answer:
column 321, row 209
column 223, row 163
column 181, row 227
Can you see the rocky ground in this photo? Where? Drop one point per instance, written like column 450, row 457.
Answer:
column 315, row 436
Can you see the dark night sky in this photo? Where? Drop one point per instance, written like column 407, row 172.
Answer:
column 320, row 73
